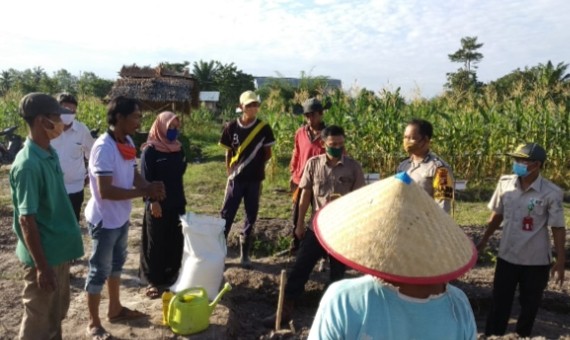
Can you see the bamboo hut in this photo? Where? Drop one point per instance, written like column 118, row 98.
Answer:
column 158, row 89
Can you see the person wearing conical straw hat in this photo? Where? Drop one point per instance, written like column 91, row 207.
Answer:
column 525, row 204
column 325, row 178
column 410, row 248
column 425, row 167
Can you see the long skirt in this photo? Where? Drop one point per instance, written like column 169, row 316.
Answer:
column 161, row 248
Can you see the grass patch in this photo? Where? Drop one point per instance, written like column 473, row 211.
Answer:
column 471, row 213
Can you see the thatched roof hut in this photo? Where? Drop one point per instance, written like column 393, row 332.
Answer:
column 158, row 88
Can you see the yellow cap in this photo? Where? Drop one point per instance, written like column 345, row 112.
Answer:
column 248, row 97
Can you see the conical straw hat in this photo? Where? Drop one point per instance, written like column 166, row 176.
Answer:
column 394, row 230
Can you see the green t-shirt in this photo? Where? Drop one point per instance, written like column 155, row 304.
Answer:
column 36, row 181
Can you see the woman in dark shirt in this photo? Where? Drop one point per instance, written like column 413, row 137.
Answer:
column 163, row 160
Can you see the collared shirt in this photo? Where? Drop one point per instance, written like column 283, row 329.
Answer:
column 36, row 182
column 425, row 173
column 326, row 181
column 541, row 201
column 306, row 146
column 106, row 160
column 73, row 147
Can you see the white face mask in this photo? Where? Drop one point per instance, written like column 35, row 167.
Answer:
column 67, row 119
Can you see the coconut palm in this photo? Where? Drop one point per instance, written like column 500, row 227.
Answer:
column 205, row 73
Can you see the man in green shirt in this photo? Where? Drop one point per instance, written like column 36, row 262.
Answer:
column 44, row 221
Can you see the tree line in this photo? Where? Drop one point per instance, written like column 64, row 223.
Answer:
column 230, row 81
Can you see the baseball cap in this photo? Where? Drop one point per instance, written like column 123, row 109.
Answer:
column 394, row 230
column 314, row 105
column 40, row 104
column 530, row 151
column 248, row 97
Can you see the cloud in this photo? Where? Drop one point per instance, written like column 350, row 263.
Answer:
column 378, row 42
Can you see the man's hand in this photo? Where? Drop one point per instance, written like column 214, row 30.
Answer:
column 156, row 191
column 155, row 210
column 481, row 245
column 300, row 231
column 558, row 267
column 292, row 186
column 45, row 279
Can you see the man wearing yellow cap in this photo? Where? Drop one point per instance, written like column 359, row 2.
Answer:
column 410, row 248
column 525, row 204
column 248, row 142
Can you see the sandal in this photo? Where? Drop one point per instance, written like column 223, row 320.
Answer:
column 152, row 292
column 126, row 314
column 97, row 333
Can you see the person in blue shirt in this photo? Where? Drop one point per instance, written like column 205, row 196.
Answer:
column 410, row 248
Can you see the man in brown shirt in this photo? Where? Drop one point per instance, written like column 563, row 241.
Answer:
column 326, row 177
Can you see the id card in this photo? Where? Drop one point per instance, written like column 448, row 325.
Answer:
column 527, row 223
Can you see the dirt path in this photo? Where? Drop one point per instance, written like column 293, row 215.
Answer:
column 253, row 297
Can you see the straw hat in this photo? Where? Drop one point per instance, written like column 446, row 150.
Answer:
column 394, row 230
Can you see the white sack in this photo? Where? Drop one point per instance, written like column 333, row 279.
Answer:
column 204, row 254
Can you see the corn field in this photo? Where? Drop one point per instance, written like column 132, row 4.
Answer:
column 471, row 132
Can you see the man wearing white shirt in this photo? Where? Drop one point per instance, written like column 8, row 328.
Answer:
column 73, row 147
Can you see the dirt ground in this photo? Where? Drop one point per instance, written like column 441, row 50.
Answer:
column 254, row 294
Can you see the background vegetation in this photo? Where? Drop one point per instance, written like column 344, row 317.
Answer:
column 475, row 123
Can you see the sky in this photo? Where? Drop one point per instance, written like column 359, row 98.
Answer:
column 373, row 44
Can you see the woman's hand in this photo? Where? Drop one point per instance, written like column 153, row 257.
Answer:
column 155, row 210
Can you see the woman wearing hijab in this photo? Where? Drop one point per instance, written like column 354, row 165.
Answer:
column 163, row 160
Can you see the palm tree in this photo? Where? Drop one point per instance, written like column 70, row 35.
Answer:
column 205, row 73
column 551, row 76
column 6, row 82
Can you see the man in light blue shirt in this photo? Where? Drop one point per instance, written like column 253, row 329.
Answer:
column 395, row 232
column 367, row 308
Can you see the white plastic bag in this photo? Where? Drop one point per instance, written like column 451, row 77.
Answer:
column 204, row 254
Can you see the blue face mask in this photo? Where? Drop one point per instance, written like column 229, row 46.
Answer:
column 172, row 134
column 520, row 169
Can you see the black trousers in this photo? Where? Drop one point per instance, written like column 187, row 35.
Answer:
column 235, row 191
column 76, row 200
column 161, row 247
column 308, row 255
column 295, row 216
column 531, row 280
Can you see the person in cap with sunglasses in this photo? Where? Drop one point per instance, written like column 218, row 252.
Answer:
column 73, row 147
column 308, row 143
column 381, row 230
column 44, row 222
column 248, row 142
column 525, row 204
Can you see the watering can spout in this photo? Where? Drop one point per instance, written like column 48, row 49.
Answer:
column 227, row 288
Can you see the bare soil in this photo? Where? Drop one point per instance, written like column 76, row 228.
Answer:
column 254, row 294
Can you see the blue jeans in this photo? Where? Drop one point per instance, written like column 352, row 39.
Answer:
column 108, row 255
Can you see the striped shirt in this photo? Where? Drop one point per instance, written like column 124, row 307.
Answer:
column 250, row 163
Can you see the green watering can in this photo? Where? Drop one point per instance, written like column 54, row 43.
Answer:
column 189, row 311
